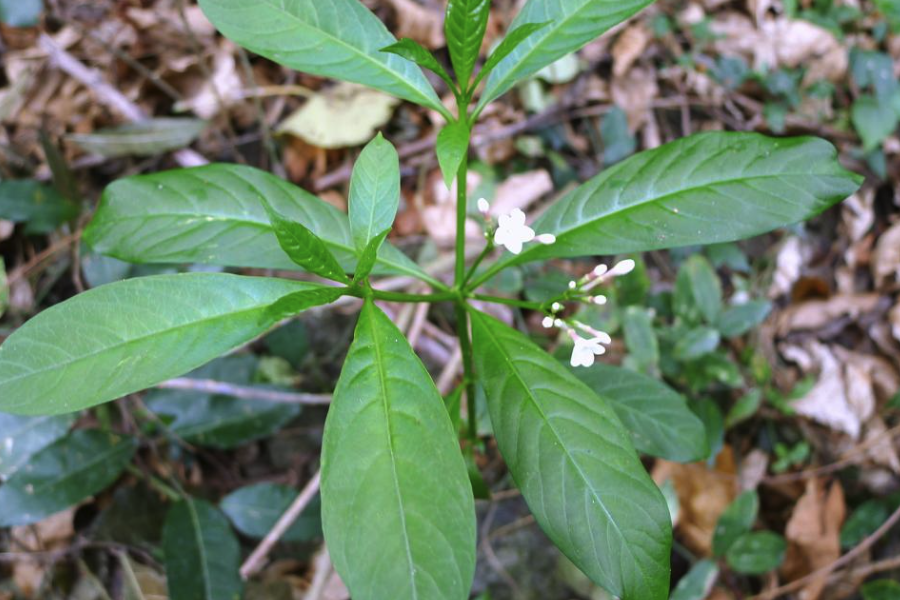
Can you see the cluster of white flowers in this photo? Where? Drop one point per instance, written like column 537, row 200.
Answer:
column 512, row 233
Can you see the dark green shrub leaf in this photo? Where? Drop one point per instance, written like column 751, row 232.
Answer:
column 744, row 408
column 144, row 138
column 452, row 146
column 63, row 474
column 304, row 248
column 220, row 421
column 464, row 26
column 40, row 206
column 708, row 412
column 126, row 336
column 618, row 141
column 658, row 419
column 570, row 25
column 646, row 203
column 202, row 553
column 741, row 318
column 643, row 347
column 696, row 343
column 397, row 506
column 698, row 582
column 575, row 465
column 414, row 51
column 867, row 517
column 367, row 259
column 882, row 589
column 374, row 191
column 737, row 520
column 698, row 291
column 339, row 39
column 213, row 215
column 756, row 553
column 255, row 509
column 21, row 437
column 874, row 120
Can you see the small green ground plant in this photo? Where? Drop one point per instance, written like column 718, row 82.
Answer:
column 397, row 502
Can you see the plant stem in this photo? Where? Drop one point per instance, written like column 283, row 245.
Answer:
column 487, row 250
column 402, row 297
column 488, row 274
column 509, row 301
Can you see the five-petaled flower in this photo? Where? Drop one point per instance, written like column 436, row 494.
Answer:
column 585, row 350
column 512, row 232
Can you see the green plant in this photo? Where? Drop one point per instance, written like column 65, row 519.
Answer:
column 397, row 504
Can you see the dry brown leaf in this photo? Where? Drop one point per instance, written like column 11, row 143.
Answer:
column 703, row 494
column 883, row 452
column 814, row 535
column 52, row 533
column 858, row 213
column 814, row 314
column 218, row 92
column 894, row 317
column 788, row 266
column 521, row 191
column 753, row 469
column 886, row 257
column 422, row 24
column 635, row 93
column 629, row 46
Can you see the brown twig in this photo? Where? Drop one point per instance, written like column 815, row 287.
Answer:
column 834, row 566
column 58, row 246
column 255, row 561
column 243, row 392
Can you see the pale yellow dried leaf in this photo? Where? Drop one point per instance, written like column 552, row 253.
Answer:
column 813, row 534
column 629, row 46
column 634, row 93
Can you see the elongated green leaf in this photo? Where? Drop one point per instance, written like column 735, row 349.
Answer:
column 464, row 26
column 757, row 553
column 126, row 336
column 34, row 203
column 63, row 474
column 367, row 260
column 21, row 437
column 737, row 520
column 698, row 292
column 255, row 509
column 144, row 138
column 571, row 25
column 297, row 302
column 397, row 506
column 304, row 248
column 207, row 419
column 374, row 191
column 417, row 53
column 741, row 318
column 338, row 39
column 708, row 188
column 452, row 145
column 202, row 553
column 658, row 418
column 697, row 584
column 573, row 461
column 510, row 42
column 213, row 215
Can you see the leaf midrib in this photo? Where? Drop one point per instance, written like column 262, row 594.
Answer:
column 569, row 457
column 382, row 381
column 195, row 522
column 416, row 92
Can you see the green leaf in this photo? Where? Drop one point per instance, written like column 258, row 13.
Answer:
column 220, row 421
column 618, row 141
column 574, row 463
column 882, row 589
column 640, row 339
column 756, row 553
column 725, row 187
column 295, row 303
column 63, row 474
column 510, row 42
column 658, row 418
column 21, row 437
column 21, row 13
column 737, row 520
column 741, row 318
column 255, row 509
column 698, row 291
column 464, row 26
column 367, row 259
column 874, row 120
column 397, row 506
column 304, row 248
column 571, row 25
column 746, row 406
column 34, row 203
column 867, row 517
column 339, row 39
column 698, row 582
column 696, row 343
column 708, row 412
column 414, row 51
column 213, row 215
column 126, row 336
column 374, row 191
column 452, row 147
column 202, row 553
column 144, row 138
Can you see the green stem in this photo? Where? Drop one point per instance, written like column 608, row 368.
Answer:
column 402, row 297
column 487, row 250
column 488, row 274
column 465, row 346
column 155, row 483
column 509, row 301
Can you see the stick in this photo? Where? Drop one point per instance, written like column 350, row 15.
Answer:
column 244, row 392
column 254, row 562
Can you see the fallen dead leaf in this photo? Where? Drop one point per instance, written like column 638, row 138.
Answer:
column 218, row 92
column 894, row 317
column 886, row 257
column 420, row 23
column 788, row 266
column 52, row 533
column 884, row 451
column 521, row 191
column 814, row 535
column 635, row 93
column 812, row 315
column 629, row 46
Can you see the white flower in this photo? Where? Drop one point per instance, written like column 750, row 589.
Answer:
column 546, row 239
column 622, row 268
column 585, row 350
column 512, row 231
column 599, row 300
column 547, row 322
column 483, row 206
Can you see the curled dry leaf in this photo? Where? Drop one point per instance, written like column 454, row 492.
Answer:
column 635, row 93
column 886, row 257
column 883, row 452
column 814, row 534
column 788, row 266
column 629, row 47
column 53, row 533
column 218, row 92
column 815, row 314
column 343, row 115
